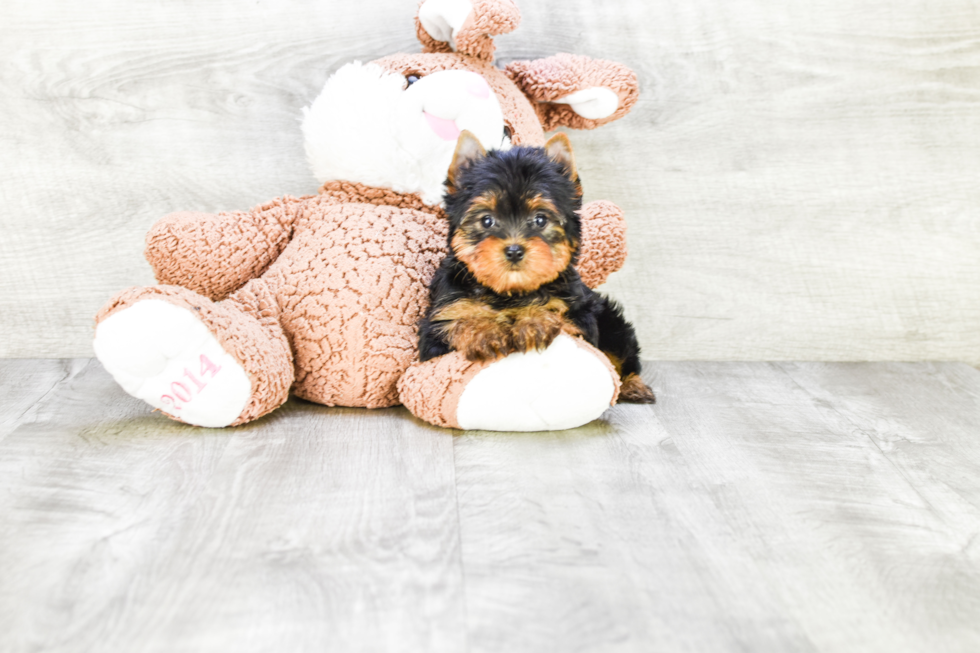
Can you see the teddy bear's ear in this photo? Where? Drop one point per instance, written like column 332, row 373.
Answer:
column 464, row 26
column 575, row 91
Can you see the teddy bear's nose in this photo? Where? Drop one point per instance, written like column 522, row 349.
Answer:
column 478, row 86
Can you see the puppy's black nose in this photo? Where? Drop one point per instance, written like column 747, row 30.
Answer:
column 514, row 253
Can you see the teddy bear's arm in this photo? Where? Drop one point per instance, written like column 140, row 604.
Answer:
column 603, row 247
column 576, row 91
column 465, row 26
column 215, row 254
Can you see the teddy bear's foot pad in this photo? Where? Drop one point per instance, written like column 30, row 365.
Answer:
column 562, row 387
column 164, row 355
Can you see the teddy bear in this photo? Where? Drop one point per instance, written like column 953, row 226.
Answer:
column 320, row 295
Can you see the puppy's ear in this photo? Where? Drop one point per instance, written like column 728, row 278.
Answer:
column 468, row 151
column 559, row 150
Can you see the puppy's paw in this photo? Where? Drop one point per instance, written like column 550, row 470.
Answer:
column 635, row 391
column 536, row 331
column 479, row 339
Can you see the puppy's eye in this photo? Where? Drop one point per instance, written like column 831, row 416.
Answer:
column 487, row 221
column 540, row 220
column 411, row 79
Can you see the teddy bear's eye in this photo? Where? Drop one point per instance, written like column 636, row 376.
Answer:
column 487, row 221
column 507, row 132
column 411, row 79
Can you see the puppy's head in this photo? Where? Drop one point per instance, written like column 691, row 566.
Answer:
column 514, row 213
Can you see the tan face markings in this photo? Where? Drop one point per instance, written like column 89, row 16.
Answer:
column 485, row 203
column 487, row 262
column 539, row 203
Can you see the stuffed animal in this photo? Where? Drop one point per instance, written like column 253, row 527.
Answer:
column 320, row 295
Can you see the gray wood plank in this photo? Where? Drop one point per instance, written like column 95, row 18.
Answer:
column 310, row 530
column 799, row 178
column 756, row 507
column 925, row 420
column 25, row 382
column 742, row 512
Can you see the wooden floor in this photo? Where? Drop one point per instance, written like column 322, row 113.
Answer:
column 756, row 507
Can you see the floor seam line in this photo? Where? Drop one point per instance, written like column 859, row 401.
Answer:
column 454, row 434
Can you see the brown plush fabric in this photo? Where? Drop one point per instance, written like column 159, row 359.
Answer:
column 608, row 365
column 550, row 79
column 346, row 291
column 431, row 390
column 346, row 192
column 246, row 327
column 519, row 115
column 429, row 44
column 335, row 314
column 489, row 18
column 351, row 286
column 603, row 248
column 324, row 292
column 475, row 38
column 215, row 255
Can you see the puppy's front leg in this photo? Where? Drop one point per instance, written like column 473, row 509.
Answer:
column 474, row 329
column 537, row 325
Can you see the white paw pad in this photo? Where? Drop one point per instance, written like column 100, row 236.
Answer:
column 562, row 387
column 164, row 355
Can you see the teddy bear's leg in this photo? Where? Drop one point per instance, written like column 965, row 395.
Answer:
column 567, row 385
column 200, row 362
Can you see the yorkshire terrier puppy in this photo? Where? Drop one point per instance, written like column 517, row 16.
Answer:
column 509, row 283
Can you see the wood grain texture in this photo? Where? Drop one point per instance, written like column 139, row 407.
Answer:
column 764, row 507
column 748, row 510
column 309, row 530
column 26, row 382
column 799, row 179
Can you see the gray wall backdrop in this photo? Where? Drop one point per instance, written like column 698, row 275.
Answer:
column 801, row 180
